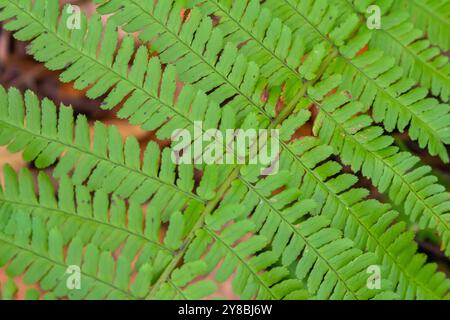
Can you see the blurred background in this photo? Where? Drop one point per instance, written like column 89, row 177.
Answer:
column 19, row 70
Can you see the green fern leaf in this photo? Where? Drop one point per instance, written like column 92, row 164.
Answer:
column 103, row 73
column 398, row 37
column 368, row 222
column 139, row 226
column 431, row 16
column 366, row 149
column 372, row 79
column 107, row 163
column 37, row 252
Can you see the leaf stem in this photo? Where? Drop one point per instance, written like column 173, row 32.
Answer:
column 190, row 237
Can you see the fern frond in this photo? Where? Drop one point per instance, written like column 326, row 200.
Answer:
column 240, row 27
column 367, row 150
column 281, row 54
column 145, row 91
column 140, row 226
column 74, row 208
column 86, row 221
column 228, row 251
column 320, row 250
column 368, row 223
column 202, row 58
column 104, row 162
column 374, row 78
column 431, row 16
column 418, row 58
column 396, row 102
column 133, row 232
column 33, row 249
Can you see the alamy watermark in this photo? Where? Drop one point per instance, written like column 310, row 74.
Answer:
column 374, row 280
column 74, row 19
column 73, row 281
column 374, row 20
column 237, row 146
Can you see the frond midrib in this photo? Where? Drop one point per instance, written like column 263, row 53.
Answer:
column 200, row 223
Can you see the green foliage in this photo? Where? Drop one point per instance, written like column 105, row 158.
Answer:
column 430, row 16
column 405, row 41
column 140, row 226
